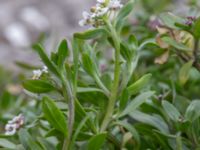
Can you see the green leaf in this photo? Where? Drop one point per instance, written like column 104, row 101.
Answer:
column 97, row 141
column 54, row 132
column 197, row 28
column 193, row 111
column 76, row 44
column 90, row 34
column 38, row 86
column 54, row 57
column 110, row 40
column 136, row 102
column 78, row 130
column 46, row 144
column 146, row 43
column 126, row 53
column 171, row 111
column 173, row 43
column 80, row 114
column 7, row 144
column 182, row 26
column 184, row 72
column 54, row 116
column 25, row 65
column 155, row 121
column 88, row 64
column 27, row 141
column 170, row 20
column 139, row 84
column 123, row 100
column 88, row 89
column 123, row 13
column 6, row 100
column 133, row 42
column 45, row 59
column 131, row 129
column 63, row 52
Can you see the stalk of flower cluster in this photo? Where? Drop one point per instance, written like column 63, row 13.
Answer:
column 114, row 91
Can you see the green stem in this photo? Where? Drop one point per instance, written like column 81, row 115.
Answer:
column 114, row 90
column 68, row 95
column 179, row 142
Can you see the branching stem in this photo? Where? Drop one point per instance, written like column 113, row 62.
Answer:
column 114, row 90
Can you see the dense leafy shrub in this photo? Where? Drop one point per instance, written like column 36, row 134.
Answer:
column 118, row 85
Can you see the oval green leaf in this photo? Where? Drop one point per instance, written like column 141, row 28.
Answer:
column 38, row 86
column 45, row 59
column 97, row 141
column 27, row 141
column 170, row 20
column 139, row 84
column 193, row 111
column 90, row 34
column 136, row 102
column 6, row 144
column 88, row 64
column 171, row 111
column 63, row 52
column 54, row 116
column 123, row 13
column 154, row 121
column 184, row 72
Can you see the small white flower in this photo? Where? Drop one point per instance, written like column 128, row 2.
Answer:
column 101, row 11
column 45, row 69
column 115, row 4
column 13, row 125
column 37, row 74
column 101, row 1
column 86, row 15
column 102, row 8
column 86, row 19
column 19, row 120
column 10, row 126
column 16, row 118
column 10, row 129
column 82, row 23
column 11, row 121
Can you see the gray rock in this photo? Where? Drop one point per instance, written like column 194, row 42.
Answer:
column 22, row 21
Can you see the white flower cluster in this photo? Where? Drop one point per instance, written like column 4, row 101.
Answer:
column 13, row 125
column 102, row 8
column 37, row 73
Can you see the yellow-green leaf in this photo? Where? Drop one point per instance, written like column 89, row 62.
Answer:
column 184, row 72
